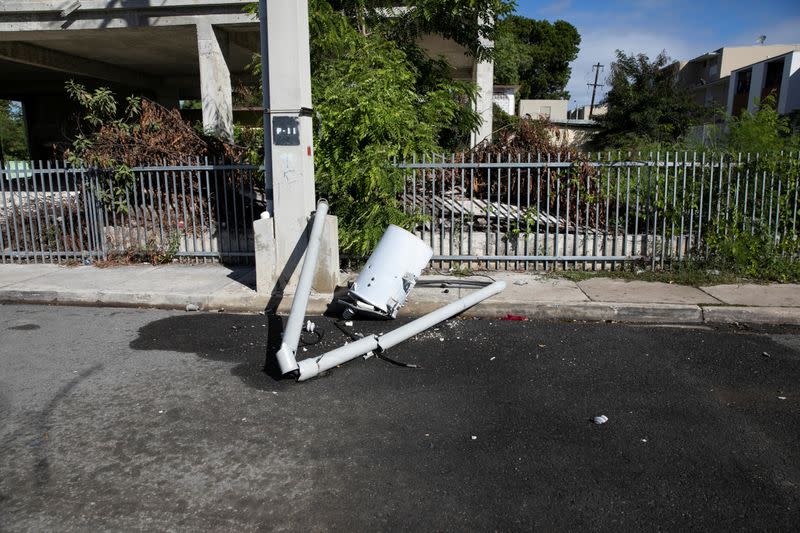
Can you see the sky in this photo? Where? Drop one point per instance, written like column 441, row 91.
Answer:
column 683, row 28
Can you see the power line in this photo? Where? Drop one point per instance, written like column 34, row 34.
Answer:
column 597, row 68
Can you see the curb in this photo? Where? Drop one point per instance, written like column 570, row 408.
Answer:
column 318, row 304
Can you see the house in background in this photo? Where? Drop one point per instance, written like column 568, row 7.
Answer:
column 707, row 77
column 566, row 131
column 505, row 97
column 778, row 76
column 583, row 112
column 554, row 110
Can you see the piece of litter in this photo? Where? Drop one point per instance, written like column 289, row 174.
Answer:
column 520, row 282
column 518, row 318
column 766, row 354
column 192, row 307
column 427, row 434
column 161, row 412
column 368, row 355
column 644, row 440
column 542, row 346
column 305, row 349
column 441, row 339
column 244, row 420
column 310, row 327
column 474, row 437
column 602, row 419
column 349, row 323
column 781, row 397
column 492, row 359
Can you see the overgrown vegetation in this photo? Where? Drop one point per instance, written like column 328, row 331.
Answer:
column 378, row 96
column 645, row 105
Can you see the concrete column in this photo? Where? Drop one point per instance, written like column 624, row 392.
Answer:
column 792, row 83
column 292, row 133
column 756, row 84
column 483, row 76
column 731, row 92
column 215, row 82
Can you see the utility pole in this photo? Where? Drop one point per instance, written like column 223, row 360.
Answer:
column 597, row 68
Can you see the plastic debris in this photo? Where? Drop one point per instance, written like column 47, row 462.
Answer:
column 492, row 358
column 349, row 323
column 310, row 327
column 192, row 307
column 766, row 354
column 518, row 318
column 474, row 437
column 520, row 282
column 781, row 397
column 602, row 419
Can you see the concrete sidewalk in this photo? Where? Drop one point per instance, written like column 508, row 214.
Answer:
column 216, row 287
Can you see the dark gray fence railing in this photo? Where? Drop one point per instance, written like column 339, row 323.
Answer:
column 598, row 210
column 197, row 211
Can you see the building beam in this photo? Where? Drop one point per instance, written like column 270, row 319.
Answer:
column 37, row 56
column 26, row 6
column 46, row 22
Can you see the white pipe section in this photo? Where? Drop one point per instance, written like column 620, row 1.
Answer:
column 312, row 366
column 286, row 356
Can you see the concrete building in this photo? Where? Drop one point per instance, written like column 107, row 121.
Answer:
column 554, row 110
column 466, row 68
column 778, row 76
column 167, row 50
column 707, row 77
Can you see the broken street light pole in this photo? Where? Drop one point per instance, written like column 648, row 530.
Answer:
column 312, row 366
column 291, row 338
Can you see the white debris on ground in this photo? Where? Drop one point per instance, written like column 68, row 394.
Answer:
column 602, row 419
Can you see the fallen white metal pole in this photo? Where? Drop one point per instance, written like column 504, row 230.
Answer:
column 291, row 336
column 312, row 366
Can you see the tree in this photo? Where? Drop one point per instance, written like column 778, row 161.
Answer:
column 644, row 103
column 13, row 142
column 378, row 96
column 535, row 54
column 470, row 23
column 375, row 101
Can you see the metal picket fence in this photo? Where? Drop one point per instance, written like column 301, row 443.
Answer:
column 596, row 211
column 193, row 211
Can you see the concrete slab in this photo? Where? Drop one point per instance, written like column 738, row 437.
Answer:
column 13, row 273
column 614, row 290
column 90, row 278
column 519, row 287
column 787, row 295
column 752, row 315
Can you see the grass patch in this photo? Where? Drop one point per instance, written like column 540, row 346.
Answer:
column 693, row 273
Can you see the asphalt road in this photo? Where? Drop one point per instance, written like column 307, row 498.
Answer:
column 118, row 419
